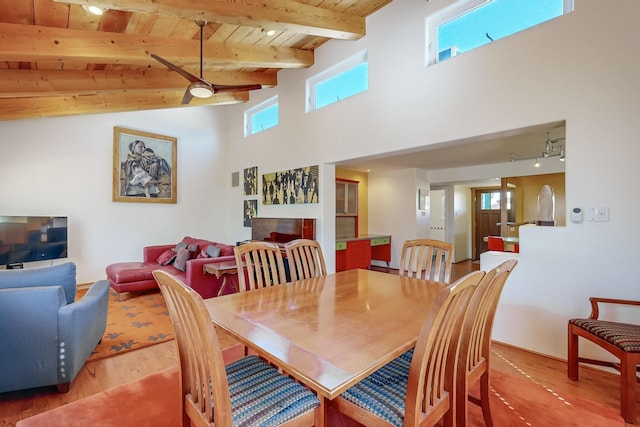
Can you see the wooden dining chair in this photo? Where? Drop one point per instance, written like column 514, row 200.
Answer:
column 305, row 259
column 416, row 389
column 247, row 392
column 475, row 346
column 621, row 340
column 427, row 259
column 263, row 264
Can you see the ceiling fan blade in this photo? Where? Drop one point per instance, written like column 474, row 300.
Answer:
column 234, row 88
column 187, row 97
column 177, row 69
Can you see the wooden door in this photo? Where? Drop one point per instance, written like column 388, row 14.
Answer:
column 487, row 218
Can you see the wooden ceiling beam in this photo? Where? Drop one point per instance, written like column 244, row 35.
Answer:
column 279, row 15
column 37, row 43
column 57, row 106
column 34, row 83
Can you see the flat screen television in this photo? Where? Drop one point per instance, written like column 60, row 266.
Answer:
column 32, row 238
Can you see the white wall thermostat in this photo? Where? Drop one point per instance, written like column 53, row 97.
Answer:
column 576, row 215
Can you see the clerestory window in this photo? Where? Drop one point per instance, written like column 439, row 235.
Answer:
column 339, row 82
column 469, row 24
column 261, row 117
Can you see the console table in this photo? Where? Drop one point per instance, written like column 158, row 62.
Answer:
column 225, row 269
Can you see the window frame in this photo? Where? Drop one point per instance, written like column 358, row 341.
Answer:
column 343, row 66
column 455, row 11
column 250, row 113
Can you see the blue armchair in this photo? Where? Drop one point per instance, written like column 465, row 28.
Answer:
column 45, row 336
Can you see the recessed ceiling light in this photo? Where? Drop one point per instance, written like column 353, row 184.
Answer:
column 95, row 10
column 271, row 32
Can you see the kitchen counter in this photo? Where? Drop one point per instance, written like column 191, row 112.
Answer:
column 363, row 237
column 357, row 252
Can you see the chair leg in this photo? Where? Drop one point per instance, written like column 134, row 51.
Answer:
column 628, row 387
column 485, row 398
column 461, row 404
column 572, row 354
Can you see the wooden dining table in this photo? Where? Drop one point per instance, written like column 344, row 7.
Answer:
column 329, row 332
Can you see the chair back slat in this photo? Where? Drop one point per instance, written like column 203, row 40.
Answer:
column 475, row 344
column 263, row 263
column 433, row 366
column 204, row 379
column 305, row 259
column 427, row 259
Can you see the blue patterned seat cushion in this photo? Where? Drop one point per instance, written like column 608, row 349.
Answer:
column 625, row 336
column 262, row 396
column 383, row 393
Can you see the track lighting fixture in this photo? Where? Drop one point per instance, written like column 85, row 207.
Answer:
column 549, row 150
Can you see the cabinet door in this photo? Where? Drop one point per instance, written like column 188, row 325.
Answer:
column 352, row 198
column 346, row 198
column 358, row 254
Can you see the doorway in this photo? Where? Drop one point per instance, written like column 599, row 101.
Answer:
column 487, row 216
column 437, row 226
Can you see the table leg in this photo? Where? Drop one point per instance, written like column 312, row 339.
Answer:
column 224, row 285
column 225, row 280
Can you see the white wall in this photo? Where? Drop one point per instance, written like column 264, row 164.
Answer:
column 64, row 166
column 393, row 207
column 559, row 70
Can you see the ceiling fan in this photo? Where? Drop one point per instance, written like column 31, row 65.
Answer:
column 199, row 87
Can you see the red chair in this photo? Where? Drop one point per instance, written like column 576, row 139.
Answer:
column 495, row 243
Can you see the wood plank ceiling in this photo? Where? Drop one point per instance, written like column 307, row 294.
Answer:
column 56, row 59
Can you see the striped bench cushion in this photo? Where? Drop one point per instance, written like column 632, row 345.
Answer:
column 623, row 335
column 383, row 393
column 262, row 396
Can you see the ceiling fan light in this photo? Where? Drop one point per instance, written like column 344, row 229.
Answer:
column 200, row 90
column 95, row 10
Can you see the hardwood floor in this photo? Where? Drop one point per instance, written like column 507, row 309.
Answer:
column 595, row 385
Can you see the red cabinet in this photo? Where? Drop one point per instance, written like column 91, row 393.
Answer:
column 359, row 253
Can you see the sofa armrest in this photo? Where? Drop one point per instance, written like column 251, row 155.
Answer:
column 29, row 336
column 206, row 285
column 151, row 253
column 81, row 326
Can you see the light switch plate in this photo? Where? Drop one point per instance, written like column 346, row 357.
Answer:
column 599, row 214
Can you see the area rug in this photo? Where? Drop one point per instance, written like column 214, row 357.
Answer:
column 152, row 401
column 133, row 324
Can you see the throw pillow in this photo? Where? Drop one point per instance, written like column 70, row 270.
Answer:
column 182, row 257
column 202, row 254
column 193, row 250
column 166, row 257
column 213, row 251
column 180, row 245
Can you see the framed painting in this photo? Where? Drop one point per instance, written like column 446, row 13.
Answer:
column 423, row 199
column 250, row 211
column 251, row 181
column 144, row 167
column 293, row 186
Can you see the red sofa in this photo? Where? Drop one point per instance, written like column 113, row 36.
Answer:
column 127, row 277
